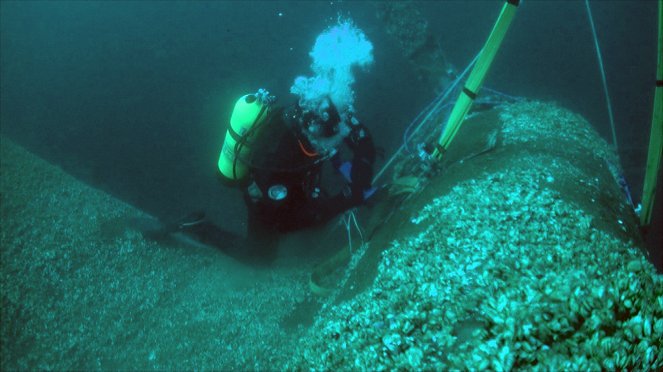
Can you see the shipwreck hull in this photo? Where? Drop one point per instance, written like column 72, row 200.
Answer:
column 521, row 251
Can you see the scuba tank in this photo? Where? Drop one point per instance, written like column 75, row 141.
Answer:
column 248, row 116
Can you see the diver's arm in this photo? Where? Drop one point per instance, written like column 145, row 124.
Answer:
column 361, row 144
column 359, row 141
column 361, row 175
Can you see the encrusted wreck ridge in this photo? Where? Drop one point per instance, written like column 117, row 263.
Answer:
column 525, row 256
column 81, row 290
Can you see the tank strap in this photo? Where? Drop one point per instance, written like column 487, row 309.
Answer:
column 234, row 134
column 241, row 140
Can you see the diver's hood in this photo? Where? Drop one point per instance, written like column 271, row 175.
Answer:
column 324, row 129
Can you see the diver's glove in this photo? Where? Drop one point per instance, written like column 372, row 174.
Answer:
column 358, row 174
column 361, row 176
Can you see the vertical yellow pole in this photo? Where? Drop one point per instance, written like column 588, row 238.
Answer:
column 656, row 135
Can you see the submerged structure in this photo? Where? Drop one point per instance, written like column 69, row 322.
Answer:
column 527, row 255
column 519, row 249
column 409, row 28
column 523, row 255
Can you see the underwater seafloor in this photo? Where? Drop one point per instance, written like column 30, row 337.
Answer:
column 525, row 255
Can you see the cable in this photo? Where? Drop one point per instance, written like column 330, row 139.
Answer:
column 507, row 96
column 438, row 101
column 605, row 84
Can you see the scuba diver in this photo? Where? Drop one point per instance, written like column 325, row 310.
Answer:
column 275, row 155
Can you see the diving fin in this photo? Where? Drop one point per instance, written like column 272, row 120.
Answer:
column 188, row 221
column 155, row 229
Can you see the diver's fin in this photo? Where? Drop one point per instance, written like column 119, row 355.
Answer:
column 190, row 220
column 154, row 229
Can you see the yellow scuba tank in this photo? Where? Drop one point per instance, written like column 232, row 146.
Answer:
column 248, row 115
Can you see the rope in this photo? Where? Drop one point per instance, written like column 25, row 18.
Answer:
column 348, row 219
column 605, row 84
column 498, row 93
column 406, row 134
column 436, row 103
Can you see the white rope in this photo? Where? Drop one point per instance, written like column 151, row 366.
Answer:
column 349, row 219
column 605, row 84
column 439, row 99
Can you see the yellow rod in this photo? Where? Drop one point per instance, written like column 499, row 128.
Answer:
column 478, row 74
column 656, row 134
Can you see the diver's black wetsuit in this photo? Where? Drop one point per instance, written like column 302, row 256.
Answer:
column 283, row 156
column 294, row 164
